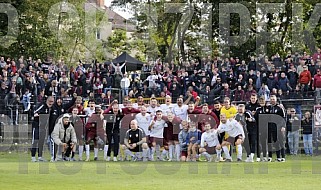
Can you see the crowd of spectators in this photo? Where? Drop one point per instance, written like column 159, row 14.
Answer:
column 294, row 76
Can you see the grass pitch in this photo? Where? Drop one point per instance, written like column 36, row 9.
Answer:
column 17, row 172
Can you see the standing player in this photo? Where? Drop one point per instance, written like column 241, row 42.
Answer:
column 135, row 141
column 91, row 134
column 236, row 136
column 143, row 120
column 156, row 129
column 249, row 126
column 91, row 109
column 77, row 122
column 113, row 132
column 153, row 107
column 210, row 143
column 228, row 110
column 168, row 106
column 180, row 110
column 171, row 135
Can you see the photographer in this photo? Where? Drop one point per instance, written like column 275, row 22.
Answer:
column 64, row 136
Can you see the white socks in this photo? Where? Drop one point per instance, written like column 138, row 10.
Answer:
column 96, row 152
column 178, row 152
column 81, row 150
column 152, row 152
column 226, row 152
column 252, row 156
column 239, row 151
column 207, row 155
column 105, row 151
column 219, row 152
column 157, row 151
column 87, row 150
column 171, row 150
column 164, row 154
column 128, row 153
column 145, row 153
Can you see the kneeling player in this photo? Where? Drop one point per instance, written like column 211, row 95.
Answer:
column 135, row 141
column 236, row 136
column 210, row 143
column 193, row 141
column 182, row 140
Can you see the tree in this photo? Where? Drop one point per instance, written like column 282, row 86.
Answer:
column 118, row 42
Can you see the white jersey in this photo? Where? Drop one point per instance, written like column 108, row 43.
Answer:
column 143, row 121
column 181, row 112
column 167, row 108
column 135, row 105
column 89, row 111
column 158, row 129
column 152, row 110
column 210, row 138
column 232, row 128
column 121, row 106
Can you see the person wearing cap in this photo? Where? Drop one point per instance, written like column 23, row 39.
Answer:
column 64, row 136
column 304, row 80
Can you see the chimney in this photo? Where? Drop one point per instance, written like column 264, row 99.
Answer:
column 100, row 3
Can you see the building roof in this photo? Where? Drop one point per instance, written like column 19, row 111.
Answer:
column 118, row 22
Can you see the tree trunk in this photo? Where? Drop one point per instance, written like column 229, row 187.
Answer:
column 182, row 50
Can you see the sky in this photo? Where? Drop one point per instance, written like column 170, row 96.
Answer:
column 122, row 13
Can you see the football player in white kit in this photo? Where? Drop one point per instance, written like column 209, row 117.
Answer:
column 236, row 136
column 143, row 120
column 180, row 110
column 156, row 134
column 210, row 143
column 168, row 106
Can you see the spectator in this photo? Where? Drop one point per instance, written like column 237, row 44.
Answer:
column 306, row 124
column 305, row 79
column 252, row 64
column 284, row 84
column 272, row 82
column 226, row 92
column 26, row 100
column 293, row 77
column 293, row 126
column 239, row 94
column 52, row 89
column 265, row 92
column 250, row 90
column 317, row 56
column 317, row 84
column 98, row 88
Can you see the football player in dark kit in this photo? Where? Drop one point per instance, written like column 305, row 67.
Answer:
column 135, row 141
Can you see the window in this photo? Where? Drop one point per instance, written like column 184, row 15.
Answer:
column 98, row 34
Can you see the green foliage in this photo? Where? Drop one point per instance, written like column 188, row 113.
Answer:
column 118, row 42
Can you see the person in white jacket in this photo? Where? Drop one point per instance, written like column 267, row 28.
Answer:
column 210, row 143
column 236, row 136
column 125, row 84
column 64, row 136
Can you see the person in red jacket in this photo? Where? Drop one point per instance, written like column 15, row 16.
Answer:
column 316, row 86
column 305, row 79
